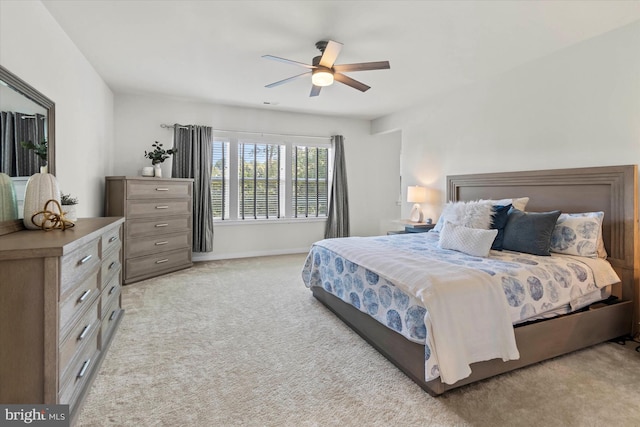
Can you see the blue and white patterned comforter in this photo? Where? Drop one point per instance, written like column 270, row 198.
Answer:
column 532, row 285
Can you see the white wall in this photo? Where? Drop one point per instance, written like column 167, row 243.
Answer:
column 579, row 107
column 372, row 166
column 34, row 47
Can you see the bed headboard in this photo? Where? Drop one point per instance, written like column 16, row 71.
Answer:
column 611, row 189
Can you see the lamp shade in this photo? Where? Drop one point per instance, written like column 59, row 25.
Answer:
column 416, row 194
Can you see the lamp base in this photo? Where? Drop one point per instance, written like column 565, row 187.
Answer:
column 416, row 214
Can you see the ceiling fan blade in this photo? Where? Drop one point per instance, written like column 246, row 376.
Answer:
column 350, row 82
column 315, row 90
column 288, row 79
column 330, row 54
column 288, row 61
column 363, row 66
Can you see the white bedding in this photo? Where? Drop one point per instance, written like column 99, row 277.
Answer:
column 463, row 323
column 450, row 285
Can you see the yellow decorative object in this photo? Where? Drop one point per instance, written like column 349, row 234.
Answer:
column 50, row 219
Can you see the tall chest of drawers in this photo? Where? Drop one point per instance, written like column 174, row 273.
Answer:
column 59, row 309
column 158, row 226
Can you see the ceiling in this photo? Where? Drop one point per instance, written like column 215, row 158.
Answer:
column 211, row 51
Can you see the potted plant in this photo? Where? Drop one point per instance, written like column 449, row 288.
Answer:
column 159, row 155
column 69, row 205
column 41, row 150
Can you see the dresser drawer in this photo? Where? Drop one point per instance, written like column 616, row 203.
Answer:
column 152, row 265
column 165, row 225
column 110, row 267
column 81, row 298
column 77, row 264
column 79, row 370
column 158, row 189
column 78, row 336
column 156, row 244
column 110, row 293
column 111, row 240
column 109, row 320
column 158, row 208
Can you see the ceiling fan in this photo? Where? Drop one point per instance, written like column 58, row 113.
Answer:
column 324, row 71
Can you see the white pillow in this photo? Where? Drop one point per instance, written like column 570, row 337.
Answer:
column 472, row 241
column 519, row 203
column 477, row 214
column 579, row 234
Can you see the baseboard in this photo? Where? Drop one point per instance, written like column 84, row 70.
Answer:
column 208, row 256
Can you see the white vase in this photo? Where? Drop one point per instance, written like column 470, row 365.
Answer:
column 157, row 171
column 41, row 188
column 70, row 213
column 44, row 169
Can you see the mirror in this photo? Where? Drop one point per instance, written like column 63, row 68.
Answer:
column 16, row 95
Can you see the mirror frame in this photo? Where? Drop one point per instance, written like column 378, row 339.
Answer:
column 30, row 92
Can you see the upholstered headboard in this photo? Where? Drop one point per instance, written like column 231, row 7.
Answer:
column 611, row 189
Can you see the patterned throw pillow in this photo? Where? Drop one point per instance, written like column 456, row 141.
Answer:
column 471, row 241
column 469, row 214
column 579, row 234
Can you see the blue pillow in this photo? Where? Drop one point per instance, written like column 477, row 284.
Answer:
column 498, row 222
column 529, row 232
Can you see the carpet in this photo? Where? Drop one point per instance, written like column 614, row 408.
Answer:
column 243, row 343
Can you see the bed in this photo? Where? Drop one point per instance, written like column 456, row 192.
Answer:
column 604, row 312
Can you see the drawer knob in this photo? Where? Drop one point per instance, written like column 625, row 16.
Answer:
column 161, row 189
column 85, row 259
column 161, row 243
column 162, row 225
column 113, row 264
column 162, row 207
column 113, row 314
column 162, row 261
column 113, row 239
column 84, row 295
column 84, row 332
column 113, row 288
column 84, row 368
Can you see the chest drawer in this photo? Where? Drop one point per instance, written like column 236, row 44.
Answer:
column 158, row 208
column 77, row 264
column 165, row 225
column 156, row 244
column 158, row 190
column 158, row 263
column 110, row 293
column 81, row 297
column 79, row 370
column 111, row 313
column 78, row 336
column 110, row 266
column 111, row 240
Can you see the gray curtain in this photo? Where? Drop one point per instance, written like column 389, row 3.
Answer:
column 194, row 160
column 15, row 128
column 338, row 218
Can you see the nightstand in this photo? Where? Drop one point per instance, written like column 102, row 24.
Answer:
column 413, row 227
column 417, row 227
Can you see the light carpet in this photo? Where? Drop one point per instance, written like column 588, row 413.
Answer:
column 244, row 343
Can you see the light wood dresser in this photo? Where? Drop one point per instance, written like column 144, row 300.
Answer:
column 158, row 227
column 59, row 309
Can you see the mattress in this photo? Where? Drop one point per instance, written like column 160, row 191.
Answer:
column 534, row 287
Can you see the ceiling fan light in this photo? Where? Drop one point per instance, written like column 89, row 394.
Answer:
column 322, row 77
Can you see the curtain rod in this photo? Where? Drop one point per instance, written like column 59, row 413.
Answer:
column 31, row 117
column 251, row 133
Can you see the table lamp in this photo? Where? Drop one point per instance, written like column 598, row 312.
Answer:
column 416, row 195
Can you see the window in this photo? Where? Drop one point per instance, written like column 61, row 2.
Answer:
column 253, row 179
column 310, row 183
